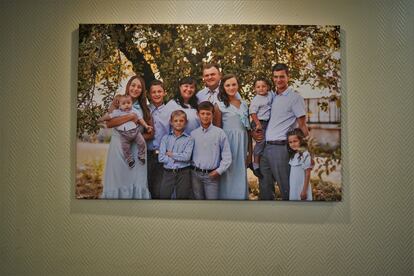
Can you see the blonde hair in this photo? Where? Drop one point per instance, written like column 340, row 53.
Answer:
column 178, row 113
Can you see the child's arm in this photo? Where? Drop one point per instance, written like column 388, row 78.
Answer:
column 144, row 124
column 307, row 167
column 162, row 157
column 304, row 193
column 149, row 134
column 186, row 154
column 256, row 121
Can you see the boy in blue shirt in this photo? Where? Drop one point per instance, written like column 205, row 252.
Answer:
column 161, row 127
column 211, row 154
column 175, row 154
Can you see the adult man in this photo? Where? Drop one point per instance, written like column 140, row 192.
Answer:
column 211, row 78
column 288, row 111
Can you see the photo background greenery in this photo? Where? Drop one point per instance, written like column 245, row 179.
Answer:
column 170, row 52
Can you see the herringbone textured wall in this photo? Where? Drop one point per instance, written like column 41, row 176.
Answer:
column 45, row 231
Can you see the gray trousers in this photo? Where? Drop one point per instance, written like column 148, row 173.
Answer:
column 155, row 174
column 259, row 146
column 274, row 165
column 176, row 181
column 132, row 136
column 204, row 187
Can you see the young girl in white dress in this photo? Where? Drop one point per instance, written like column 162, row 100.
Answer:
column 300, row 166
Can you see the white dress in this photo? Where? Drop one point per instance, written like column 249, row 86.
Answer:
column 298, row 165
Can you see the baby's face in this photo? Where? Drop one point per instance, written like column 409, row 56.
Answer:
column 125, row 104
column 261, row 88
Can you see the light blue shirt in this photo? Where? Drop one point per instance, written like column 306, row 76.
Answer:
column 206, row 94
column 286, row 108
column 211, row 149
column 161, row 125
column 181, row 147
column 193, row 121
column 261, row 106
column 128, row 125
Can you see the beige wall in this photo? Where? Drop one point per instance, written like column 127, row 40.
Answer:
column 45, row 231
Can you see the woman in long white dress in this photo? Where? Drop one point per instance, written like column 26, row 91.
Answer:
column 121, row 181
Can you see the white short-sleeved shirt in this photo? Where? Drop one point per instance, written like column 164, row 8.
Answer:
column 261, row 106
column 286, row 108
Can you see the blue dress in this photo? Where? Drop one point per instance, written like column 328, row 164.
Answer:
column 297, row 175
column 235, row 122
column 121, row 181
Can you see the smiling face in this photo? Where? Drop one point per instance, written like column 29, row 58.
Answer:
column 157, row 94
column 294, row 142
column 280, row 80
column 261, row 88
column 206, row 117
column 187, row 91
column 211, row 77
column 135, row 89
column 231, row 87
column 125, row 103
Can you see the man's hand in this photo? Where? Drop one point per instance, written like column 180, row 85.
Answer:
column 258, row 135
column 214, row 174
column 169, row 153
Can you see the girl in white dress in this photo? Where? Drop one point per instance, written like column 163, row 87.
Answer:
column 300, row 166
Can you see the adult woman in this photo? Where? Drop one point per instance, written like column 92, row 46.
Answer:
column 186, row 100
column 121, row 181
column 232, row 115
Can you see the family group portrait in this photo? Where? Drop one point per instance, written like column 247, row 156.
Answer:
column 209, row 112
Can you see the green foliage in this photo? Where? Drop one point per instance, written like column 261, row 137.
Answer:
column 325, row 190
column 170, row 52
column 100, row 69
column 89, row 180
column 326, row 160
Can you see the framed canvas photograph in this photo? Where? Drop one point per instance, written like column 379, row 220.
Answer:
column 209, row 112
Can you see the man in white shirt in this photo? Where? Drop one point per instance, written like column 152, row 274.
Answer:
column 287, row 112
column 211, row 78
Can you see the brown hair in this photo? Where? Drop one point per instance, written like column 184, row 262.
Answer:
column 206, row 105
column 211, row 65
column 142, row 99
column 222, row 95
column 177, row 113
